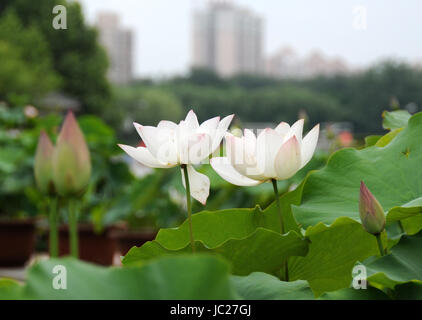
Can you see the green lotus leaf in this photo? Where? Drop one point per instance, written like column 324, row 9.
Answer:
column 393, row 120
column 402, row 265
column 182, row 277
column 390, row 172
column 333, row 252
column 263, row 250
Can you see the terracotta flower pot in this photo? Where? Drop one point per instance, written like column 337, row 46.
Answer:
column 126, row 239
column 93, row 247
column 17, row 242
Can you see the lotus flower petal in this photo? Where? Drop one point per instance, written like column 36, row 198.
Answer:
column 223, row 166
column 274, row 154
column 143, row 156
column 221, row 131
column 296, row 130
column 283, row 129
column 199, row 184
column 268, row 143
column 309, row 144
column 287, row 161
column 191, row 120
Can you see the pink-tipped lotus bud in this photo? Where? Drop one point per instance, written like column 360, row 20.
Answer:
column 72, row 162
column 43, row 164
column 371, row 212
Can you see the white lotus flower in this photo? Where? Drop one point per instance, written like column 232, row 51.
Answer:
column 276, row 154
column 170, row 144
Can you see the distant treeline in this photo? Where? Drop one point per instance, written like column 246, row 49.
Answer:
column 359, row 98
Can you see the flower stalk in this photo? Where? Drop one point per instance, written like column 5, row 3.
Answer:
column 73, row 228
column 54, row 247
column 277, row 201
column 189, row 206
column 380, row 246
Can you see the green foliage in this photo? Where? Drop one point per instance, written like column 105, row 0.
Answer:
column 402, row 265
column 328, row 265
column 395, row 119
column 283, row 103
column 26, row 71
column 264, row 250
column 389, row 172
column 9, row 289
column 163, row 279
column 76, row 55
column 18, row 140
column 262, row 286
column 370, row 92
column 148, row 105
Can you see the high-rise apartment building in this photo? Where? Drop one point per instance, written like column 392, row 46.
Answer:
column 227, row 39
column 118, row 44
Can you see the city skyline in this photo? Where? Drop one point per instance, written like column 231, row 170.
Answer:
column 162, row 30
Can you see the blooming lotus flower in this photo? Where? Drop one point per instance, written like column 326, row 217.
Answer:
column 276, row 154
column 43, row 166
column 371, row 212
column 72, row 162
column 169, row 144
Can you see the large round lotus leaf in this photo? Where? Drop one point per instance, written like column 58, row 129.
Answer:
column 392, row 173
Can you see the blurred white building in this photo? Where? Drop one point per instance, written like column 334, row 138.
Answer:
column 227, row 39
column 118, row 44
column 286, row 63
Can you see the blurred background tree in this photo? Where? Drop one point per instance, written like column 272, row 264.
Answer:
column 75, row 53
column 28, row 73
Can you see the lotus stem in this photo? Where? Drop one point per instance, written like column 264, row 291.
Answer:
column 189, row 206
column 277, row 201
column 73, row 228
column 380, row 246
column 54, row 247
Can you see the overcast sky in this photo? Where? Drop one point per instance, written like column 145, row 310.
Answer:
column 163, row 35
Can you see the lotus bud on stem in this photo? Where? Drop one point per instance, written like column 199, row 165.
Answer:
column 372, row 215
column 43, row 172
column 72, row 171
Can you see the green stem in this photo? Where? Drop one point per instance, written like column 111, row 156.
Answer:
column 54, row 247
column 277, row 201
column 189, row 206
column 73, row 228
column 379, row 241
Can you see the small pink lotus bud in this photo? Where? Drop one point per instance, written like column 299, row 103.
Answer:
column 43, row 164
column 371, row 212
column 72, row 162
